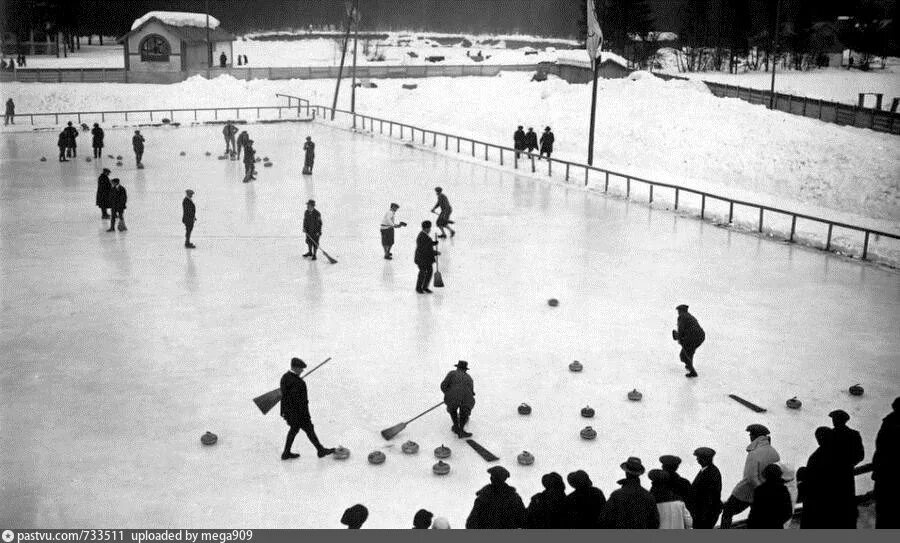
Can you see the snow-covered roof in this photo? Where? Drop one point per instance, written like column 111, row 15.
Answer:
column 176, row 18
column 579, row 57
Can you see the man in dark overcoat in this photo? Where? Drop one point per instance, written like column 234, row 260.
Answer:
column 849, row 449
column 249, row 162
column 707, row 488
column 497, row 506
column 886, row 473
column 309, row 151
column 819, row 485
column 690, row 335
column 547, row 140
column 242, row 140
column 295, row 410
column 188, row 217
column 531, row 140
column 424, row 258
column 71, row 135
column 118, row 198
column 680, row 486
column 631, row 506
column 104, row 186
column 312, row 227
column 97, row 140
column 459, row 397
column 137, row 143
column 519, row 140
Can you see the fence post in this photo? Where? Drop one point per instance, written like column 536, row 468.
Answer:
column 151, row 115
column 195, row 113
column 501, row 156
column 606, row 183
column 457, row 144
column 793, row 227
column 102, row 117
column 585, row 176
column 866, row 245
column 380, row 126
column 473, row 147
column 702, row 206
column 730, row 212
column 79, row 118
column 485, row 152
column 676, row 198
column 126, row 116
column 515, row 161
column 390, row 128
column 627, row 187
column 549, row 167
column 446, row 142
column 760, row 219
column 532, row 165
column 651, row 194
column 567, row 171
column 828, row 242
column 434, row 141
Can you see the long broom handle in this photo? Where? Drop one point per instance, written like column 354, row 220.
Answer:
column 425, row 412
column 304, row 376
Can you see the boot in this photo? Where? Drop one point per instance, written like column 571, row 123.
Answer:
column 323, row 452
column 287, row 455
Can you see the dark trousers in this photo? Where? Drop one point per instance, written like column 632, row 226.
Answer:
column 113, row 213
column 706, row 519
column 731, row 508
column 188, row 228
column 459, row 415
column 424, row 278
column 308, row 164
column 230, row 145
column 62, row 153
column 248, row 171
column 687, row 356
column 312, row 243
column 9, row 119
column 70, row 151
column 548, row 152
column 138, row 155
column 887, row 503
column 310, row 433
column 98, row 151
column 104, row 211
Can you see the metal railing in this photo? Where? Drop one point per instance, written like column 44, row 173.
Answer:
column 571, row 169
column 157, row 115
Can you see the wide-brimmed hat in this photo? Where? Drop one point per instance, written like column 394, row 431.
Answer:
column 633, row 466
column 107, row 170
column 462, row 364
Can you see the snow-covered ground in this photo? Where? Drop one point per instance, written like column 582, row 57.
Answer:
column 123, row 348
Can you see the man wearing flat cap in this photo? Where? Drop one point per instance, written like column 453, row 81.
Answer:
column 680, row 486
column 295, row 410
column 459, row 397
column 886, row 473
column 188, row 217
column 631, row 506
column 497, row 506
column 312, row 227
column 690, row 336
column 760, row 454
column 849, row 452
column 707, row 487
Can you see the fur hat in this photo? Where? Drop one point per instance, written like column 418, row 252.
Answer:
column 682, row 307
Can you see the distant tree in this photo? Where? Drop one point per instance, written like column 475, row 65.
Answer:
column 694, row 32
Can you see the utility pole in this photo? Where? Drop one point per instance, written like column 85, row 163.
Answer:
column 337, row 88
column 596, row 69
column 209, row 59
column 775, row 52
column 355, row 18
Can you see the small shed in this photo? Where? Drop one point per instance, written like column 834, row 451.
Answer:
column 171, row 41
column 574, row 66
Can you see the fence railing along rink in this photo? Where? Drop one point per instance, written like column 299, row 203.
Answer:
column 851, row 240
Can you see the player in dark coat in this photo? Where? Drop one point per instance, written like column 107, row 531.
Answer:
column 680, row 486
column 547, row 509
column 531, row 140
column 10, row 117
column 497, row 506
column 443, row 220
column 249, row 162
column 242, row 140
column 690, row 335
column 312, row 227
column 631, row 506
column 519, row 140
column 771, row 507
column 104, row 186
column 63, row 143
column 459, row 397
column 309, row 149
column 707, row 489
column 295, row 410
column 118, row 200
column 223, row 60
column 584, row 504
column 188, row 217
column 137, row 143
column 229, row 131
column 886, row 473
column 424, row 258
column 849, row 449
column 547, row 140
column 71, row 135
column 819, row 484
column 97, row 140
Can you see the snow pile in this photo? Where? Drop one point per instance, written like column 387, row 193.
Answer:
column 177, row 18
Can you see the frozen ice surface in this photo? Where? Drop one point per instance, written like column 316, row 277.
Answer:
column 121, row 349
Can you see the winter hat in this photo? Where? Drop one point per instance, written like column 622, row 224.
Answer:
column 704, row 452
column 658, row 476
column 579, row 479
column 670, row 461
column 107, row 170
column 308, row 138
column 114, row 180
column 839, row 415
column 355, row 516
column 422, row 520
column 758, row 430
column 681, row 307
column 633, row 466
column 311, row 202
column 823, row 435
column 772, row 472
column 547, row 129
column 498, row 474
column 462, row 365
column 189, row 191
column 438, row 189
column 440, row 523
column 297, row 363
column 394, row 206
column 553, row 481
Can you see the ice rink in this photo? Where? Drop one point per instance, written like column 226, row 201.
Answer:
column 121, row 349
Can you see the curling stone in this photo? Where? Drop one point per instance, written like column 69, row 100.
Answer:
column 576, row 366
column 856, row 390
column 182, row 154
column 87, row 159
column 341, row 453
column 110, row 156
column 43, row 159
column 524, row 409
column 377, row 457
column 209, row 438
column 441, row 468
column 140, row 166
column 267, row 164
column 265, row 159
column 525, row 458
column 553, row 302
column 258, row 160
column 635, row 396
column 794, row 403
column 222, row 157
column 587, row 412
column 588, row 433
column 119, row 164
column 166, row 120
column 207, row 153
column 119, row 157
column 410, row 447
column 442, row 452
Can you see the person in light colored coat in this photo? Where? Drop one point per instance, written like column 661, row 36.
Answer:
column 673, row 513
column 760, row 454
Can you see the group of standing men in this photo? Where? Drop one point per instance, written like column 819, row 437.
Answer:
column 528, row 141
column 111, row 199
column 236, row 144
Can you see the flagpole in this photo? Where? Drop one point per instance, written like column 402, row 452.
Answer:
column 590, row 159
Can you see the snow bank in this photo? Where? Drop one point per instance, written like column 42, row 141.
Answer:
column 177, row 18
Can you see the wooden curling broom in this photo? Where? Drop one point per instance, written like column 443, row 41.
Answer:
column 438, row 279
column 389, row 433
column 328, row 256
column 270, row 399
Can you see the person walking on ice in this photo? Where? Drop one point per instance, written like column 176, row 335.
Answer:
column 104, row 188
column 312, row 227
column 690, row 335
column 249, row 162
column 547, row 140
column 242, row 140
column 97, row 140
column 310, row 149
column 295, row 410
column 137, row 142
column 10, row 117
column 443, row 220
column 459, row 397
column 188, row 217
column 387, row 230
column 118, row 198
column 229, row 131
column 424, row 258
column 71, row 135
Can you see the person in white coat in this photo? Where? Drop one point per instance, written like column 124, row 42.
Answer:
column 673, row 513
column 760, row 454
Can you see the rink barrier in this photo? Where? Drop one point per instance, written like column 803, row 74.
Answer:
column 814, row 108
column 388, row 127
column 161, row 113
